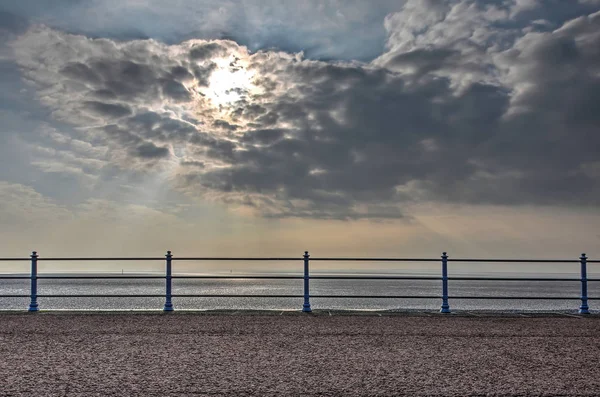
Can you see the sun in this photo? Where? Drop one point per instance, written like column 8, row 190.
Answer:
column 230, row 82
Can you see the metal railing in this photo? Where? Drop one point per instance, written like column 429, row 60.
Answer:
column 306, row 277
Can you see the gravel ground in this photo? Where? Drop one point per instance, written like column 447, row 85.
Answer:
column 73, row 354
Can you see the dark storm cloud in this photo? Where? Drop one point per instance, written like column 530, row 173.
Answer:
column 107, row 109
column 198, row 164
column 263, row 137
column 175, row 90
column 151, row 125
column 396, row 139
column 121, row 136
column 443, row 116
column 207, row 51
column 180, row 73
column 81, row 72
column 424, row 61
column 224, row 124
column 374, row 149
column 140, row 151
column 125, row 79
column 148, row 150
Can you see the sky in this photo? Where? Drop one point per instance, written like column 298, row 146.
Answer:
column 267, row 128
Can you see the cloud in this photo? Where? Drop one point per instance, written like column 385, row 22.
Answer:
column 149, row 150
column 466, row 106
column 108, row 109
column 207, row 51
column 457, row 39
column 22, row 206
column 324, row 29
column 30, row 221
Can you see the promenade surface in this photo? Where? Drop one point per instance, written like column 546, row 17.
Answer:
column 281, row 354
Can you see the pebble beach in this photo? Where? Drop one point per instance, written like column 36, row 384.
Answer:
column 291, row 354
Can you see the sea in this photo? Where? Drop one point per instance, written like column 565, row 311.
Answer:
column 419, row 289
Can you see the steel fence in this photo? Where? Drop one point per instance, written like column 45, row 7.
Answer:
column 306, row 277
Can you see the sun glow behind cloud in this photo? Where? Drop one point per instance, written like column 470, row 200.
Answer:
column 230, row 82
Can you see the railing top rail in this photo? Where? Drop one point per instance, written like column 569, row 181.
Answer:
column 337, row 259
column 148, row 258
column 210, row 258
column 377, row 259
column 14, row 259
column 224, row 258
column 516, row 260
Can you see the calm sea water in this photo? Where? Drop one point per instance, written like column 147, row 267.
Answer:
column 318, row 287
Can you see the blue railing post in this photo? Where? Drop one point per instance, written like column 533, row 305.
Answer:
column 306, row 306
column 168, row 304
column 33, row 306
column 445, row 306
column 584, row 309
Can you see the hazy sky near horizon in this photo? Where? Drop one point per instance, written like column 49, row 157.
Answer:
column 350, row 128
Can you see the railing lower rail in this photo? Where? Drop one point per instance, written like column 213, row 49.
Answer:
column 306, row 277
